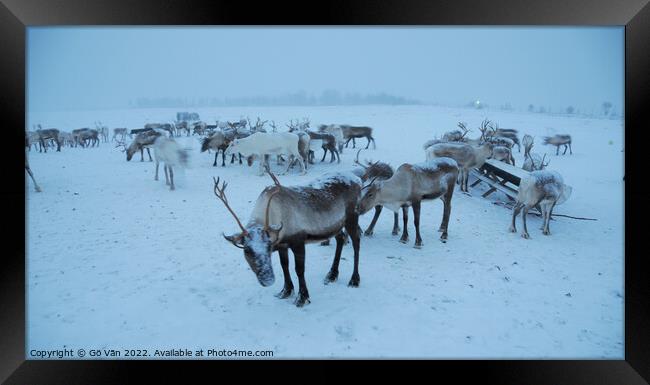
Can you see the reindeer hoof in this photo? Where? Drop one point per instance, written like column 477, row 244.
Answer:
column 417, row 245
column 302, row 300
column 525, row 236
column 546, row 232
column 512, row 229
column 172, row 188
column 285, row 293
column 395, row 231
column 403, row 240
column 332, row 276
column 354, row 281
column 368, row 233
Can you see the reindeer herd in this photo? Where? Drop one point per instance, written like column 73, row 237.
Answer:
column 289, row 217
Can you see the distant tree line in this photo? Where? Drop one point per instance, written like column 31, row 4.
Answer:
column 326, row 98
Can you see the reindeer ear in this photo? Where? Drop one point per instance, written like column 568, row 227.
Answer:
column 235, row 239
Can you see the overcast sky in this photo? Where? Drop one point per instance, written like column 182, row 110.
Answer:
column 89, row 68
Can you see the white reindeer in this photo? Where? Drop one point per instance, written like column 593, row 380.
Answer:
column 168, row 151
column 465, row 155
column 261, row 144
column 544, row 188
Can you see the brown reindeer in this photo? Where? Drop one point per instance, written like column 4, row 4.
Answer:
column 409, row 186
column 288, row 217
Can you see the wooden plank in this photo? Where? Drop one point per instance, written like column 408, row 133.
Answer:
column 505, row 171
column 510, row 192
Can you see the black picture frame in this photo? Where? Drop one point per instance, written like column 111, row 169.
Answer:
column 15, row 15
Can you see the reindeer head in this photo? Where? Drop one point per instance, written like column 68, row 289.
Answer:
column 370, row 196
column 256, row 241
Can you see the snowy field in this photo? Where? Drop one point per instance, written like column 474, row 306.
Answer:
column 116, row 260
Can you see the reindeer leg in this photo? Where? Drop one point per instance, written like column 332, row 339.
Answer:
column 333, row 274
column 352, row 227
column 570, row 150
column 395, row 224
column 370, row 228
column 223, row 158
column 287, row 290
column 240, row 159
column 324, row 154
column 298, row 250
column 338, row 157
column 215, row 158
column 149, row 153
column 557, row 150
column 416, row 221
column 171, row 178
column 405, row 217
column 368, row 144
column 525, row 234
column 29, row 171
column 166, row 175
column 547, row 229
column 515, row 212
column 155, row 177
column 565, row 148
column 232, row 158
column 446, row 213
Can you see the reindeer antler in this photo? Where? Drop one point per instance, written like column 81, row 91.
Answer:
column 275, row 179
column 268, row 206
column 357, row 159
column 221, row 194
column 463, row 126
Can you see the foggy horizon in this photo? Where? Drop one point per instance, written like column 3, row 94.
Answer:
column 85, row 68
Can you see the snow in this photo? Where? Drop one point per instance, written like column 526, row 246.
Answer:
column 115, row 260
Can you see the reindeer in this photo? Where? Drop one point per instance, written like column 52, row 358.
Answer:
column 261, row 144
column 48, row 134
column 258, row 127
column 559, row 140
column 409, row 186
column 168, row 151
column 121, row 132
column 337, row 132
column 168, row 127
column 352, row 132
column 88, row 137
column 66, row 138
column 137, row 131
column 528, row 142
column 143, row 140
column 218, row 142
column 288, row 217
column 456, row 135
column 534, row 162
column 103, row 130
column 314, row 140
column 501, row 133
column 32, row 138
column 466, row 156
column 503, row 154
column 29, row 171
column 544, row 188
column 379, row 171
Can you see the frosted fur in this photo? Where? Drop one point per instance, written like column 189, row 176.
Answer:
column 306, row 216
column 271, row 143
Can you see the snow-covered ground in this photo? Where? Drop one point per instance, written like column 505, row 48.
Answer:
column 116, row 260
